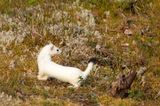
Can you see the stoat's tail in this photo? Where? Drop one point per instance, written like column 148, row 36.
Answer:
column 89, row 67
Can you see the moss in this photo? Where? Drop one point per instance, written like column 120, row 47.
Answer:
column 142, row 50
column 136, row 94
column 52, row 103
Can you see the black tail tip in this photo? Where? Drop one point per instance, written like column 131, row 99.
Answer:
column 93, row 60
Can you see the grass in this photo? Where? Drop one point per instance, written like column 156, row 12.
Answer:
column 36, row 23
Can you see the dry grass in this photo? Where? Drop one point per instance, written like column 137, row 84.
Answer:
column 77, row 27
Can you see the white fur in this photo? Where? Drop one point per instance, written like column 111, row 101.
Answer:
column 48, row 68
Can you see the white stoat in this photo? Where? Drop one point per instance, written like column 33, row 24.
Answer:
column 48, row 68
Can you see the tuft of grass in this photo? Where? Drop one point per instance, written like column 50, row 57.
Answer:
column 35, row 19
column 136, row 94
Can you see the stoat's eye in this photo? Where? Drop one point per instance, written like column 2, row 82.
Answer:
column 57, row 50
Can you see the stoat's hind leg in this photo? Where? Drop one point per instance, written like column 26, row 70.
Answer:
column 42, row 76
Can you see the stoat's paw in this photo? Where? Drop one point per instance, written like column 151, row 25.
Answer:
column 73, row 86
column 42, row 77
column 70, row 86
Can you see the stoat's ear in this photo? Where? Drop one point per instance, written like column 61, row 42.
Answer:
column 52, row 47
column 50, row 43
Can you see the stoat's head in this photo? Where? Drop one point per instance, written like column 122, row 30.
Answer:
column 52, row 49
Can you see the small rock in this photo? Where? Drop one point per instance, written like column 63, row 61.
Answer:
column 98, row 47
column 128, row 32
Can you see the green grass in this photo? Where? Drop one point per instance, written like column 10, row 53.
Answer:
column 20, row 80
